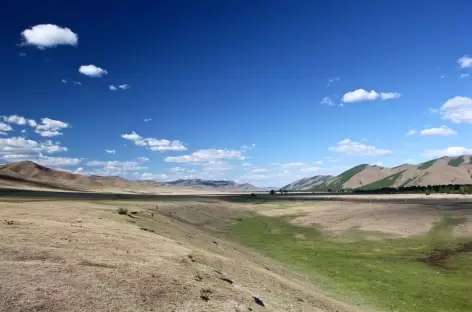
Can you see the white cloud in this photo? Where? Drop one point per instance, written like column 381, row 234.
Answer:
column 259, row 170
column 411, row 132
column 433, row 111
column 57, row 161
column 246, row 165
column 207, row 155
column 115, row 167
column 327, row 101
column 78, row 170
column 310, row 169
column 64, row 81
column 443, row 130
column 462, row 76
column 292, row 165
column 177, row 169
column 48, row 36
column 22, row 54
column 50, row 127
column 360, row 95
column 112, row 88
column 77, row 83
column 19, row 120
column 465, row 61
column 449, row 151
column 147, row 119
column 319, row 162
column 457, row 109
column 160, row 145
column 124, row 87
column 92, row 71
column 389, row 95
column 18, row 148
column 333, row 80
column 4, row 128
column 154, row 177
column 349, row 147
column 248, row 147
column 111, row 151
column 142, row 159
column 379, row 163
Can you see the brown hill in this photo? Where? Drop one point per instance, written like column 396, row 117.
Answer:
column 442, row 171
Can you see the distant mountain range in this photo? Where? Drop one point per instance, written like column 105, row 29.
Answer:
column 441, row 171
column 30, row 175
column 216, row 184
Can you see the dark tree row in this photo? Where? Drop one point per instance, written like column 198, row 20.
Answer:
column 448, row 189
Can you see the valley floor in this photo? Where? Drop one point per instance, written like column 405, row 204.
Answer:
column 232, row 253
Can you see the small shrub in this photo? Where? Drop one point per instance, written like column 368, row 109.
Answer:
column 427, row 193
column 122, row 211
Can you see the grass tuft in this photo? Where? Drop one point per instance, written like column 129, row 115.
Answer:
column 122, row 211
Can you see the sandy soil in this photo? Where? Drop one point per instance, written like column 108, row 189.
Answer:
column 70, row 255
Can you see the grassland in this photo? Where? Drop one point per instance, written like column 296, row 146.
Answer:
column 422, row 273
column 427, row 164
column 456, row 162
column 344, row 177
column 385, row 182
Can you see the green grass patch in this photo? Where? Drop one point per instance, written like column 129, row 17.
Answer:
column 392, row 274
column 427, row 164
column 385, row 182
column 343, row 178
column 456, row 162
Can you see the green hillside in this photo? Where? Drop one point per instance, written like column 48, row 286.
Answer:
column 456, row 162
column 345, row 176
column 427, row 164
column 385, row 182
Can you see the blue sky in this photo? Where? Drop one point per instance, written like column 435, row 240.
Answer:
column 264, row 92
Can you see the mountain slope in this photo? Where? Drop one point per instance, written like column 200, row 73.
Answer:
column 442, row 171
column 307, row 183
column 216, row 184
column 28, row 174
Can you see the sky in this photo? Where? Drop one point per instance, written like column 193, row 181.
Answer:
column 264, row 92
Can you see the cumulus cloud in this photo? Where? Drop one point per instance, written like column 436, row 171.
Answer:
column 443, row 130
column 360, row 95
column 110, row 151
column 457, row 110
column 19, row 148
column 50, row 127
column 19, row 120
column 4, row 128
column 411, row 132
column 48, row 36
column 147, row 119
column 124, row 87
column 112, row 88
column 327, row 101
column 64, row 81
column 465, row 61
column 153, row 144
column 349, row 147
column 449, row 151
column 207, row 155
column 92, row 71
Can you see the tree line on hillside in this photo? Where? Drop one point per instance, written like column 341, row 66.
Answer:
column 430, row 189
